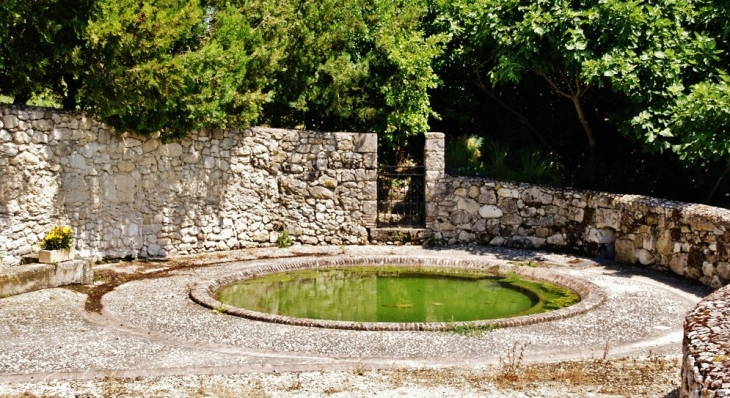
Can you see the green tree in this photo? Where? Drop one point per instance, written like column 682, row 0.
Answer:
column 637, row 48
column 39, row 47
column 358, row 65
column 174, row 66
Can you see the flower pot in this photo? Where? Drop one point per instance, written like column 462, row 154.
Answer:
column 56, row 256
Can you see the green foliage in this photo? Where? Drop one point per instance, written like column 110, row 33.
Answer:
column 694, row 125
column 173, row 66
column 643, row 51
column 58, row 238
column 464, row 153
column 526, row 166
column 219, row 310
column 284, row 240
column 39, row 48
column 369, row 71
column 471, row 330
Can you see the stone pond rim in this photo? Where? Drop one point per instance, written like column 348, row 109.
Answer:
column 590, row 294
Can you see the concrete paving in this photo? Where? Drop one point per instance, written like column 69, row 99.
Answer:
column 152, row 328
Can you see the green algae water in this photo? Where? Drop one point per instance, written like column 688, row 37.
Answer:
column 389, row 294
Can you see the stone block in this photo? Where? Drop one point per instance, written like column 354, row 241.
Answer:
column 536, row 195
column 723, row 269
column 608, row 218
column 465, row 236
column 556, row 239
column 10, row 121
column 434, row 142
column 508, row 193
column 468, row 205
column 490, row 211
column 600, row 235
column 645, row 257
column 366, row 143
column 511, row 219
column 487, row 196
column 664, row 243
column 626, row 251
column 678, row 263
column 56, row 256
column 576, row 214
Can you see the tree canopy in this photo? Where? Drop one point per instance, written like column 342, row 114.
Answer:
column 177, row 65
column 606, row 90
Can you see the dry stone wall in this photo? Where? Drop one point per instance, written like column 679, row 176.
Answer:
column 706, row 363
column 688, row 239
column 134, row 196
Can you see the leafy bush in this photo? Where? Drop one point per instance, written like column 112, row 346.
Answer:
column 465, row 153
column 284, row 240
column 58, row 238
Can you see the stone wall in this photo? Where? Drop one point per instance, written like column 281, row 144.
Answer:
column 706, row 362
column 133, row 196
column 688, row 239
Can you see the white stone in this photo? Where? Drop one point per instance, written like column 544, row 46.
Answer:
column 602, row 236
column 468, row 205
column 465, row 236
column 708, row 269
column 556, row 239
column 490, row 211
column 154, row 250
column 8, row 150
column 209, row 162
column 131, row 229
column 77, row 161
column 10, row 121
column 645, row 257
column 27, row 158
column 5, row 136
column 508, row 193
column 171, row 150
column 497, row 241
column 131, row 143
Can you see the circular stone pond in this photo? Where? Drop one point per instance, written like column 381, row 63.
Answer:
column 402, row 293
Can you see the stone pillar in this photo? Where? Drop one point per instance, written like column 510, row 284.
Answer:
column 367, row 145
column 433, row 159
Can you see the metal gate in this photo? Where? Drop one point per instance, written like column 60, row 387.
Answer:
column 401, row 196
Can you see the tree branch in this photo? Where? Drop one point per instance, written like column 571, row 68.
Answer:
column 524, row 120
column 555, row 86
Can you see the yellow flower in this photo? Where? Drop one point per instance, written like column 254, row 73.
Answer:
column 59, row 237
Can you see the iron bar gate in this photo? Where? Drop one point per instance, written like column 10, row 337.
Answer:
column 401, row 196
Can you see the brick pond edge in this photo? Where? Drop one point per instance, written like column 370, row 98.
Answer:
column 591, row 295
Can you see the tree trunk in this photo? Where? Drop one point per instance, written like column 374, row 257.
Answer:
column 717, row 185
column 574, row 89
column 589, row 132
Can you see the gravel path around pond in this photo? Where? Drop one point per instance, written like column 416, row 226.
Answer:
column 150, row 330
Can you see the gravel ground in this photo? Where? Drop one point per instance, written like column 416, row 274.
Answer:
column 654, row 377
column 152, row 340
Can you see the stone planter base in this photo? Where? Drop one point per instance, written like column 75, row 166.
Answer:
column 28, row 278
column 56, row 256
